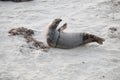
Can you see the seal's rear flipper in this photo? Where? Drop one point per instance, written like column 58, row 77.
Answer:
column 87, row 38
column 99, row 40
column 63, row 27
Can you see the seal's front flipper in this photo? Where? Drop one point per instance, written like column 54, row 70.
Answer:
column 62, row 27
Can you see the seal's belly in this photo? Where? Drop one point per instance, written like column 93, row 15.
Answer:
column 69, row 40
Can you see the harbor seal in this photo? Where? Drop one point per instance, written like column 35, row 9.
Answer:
column 58, row 39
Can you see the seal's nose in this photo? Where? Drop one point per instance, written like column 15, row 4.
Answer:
column 58, row 19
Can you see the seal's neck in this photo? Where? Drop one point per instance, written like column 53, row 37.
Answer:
column 53, row 26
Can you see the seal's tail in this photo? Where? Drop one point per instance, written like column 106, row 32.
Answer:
column 87, row 38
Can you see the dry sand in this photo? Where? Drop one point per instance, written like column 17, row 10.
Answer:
column 89, row 62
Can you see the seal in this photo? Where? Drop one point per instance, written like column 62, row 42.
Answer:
column 57, row 38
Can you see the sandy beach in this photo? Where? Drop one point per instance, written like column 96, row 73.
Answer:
column 88, row 62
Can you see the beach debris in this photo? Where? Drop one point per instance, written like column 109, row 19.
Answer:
column 21, row 31
column 39, row 44
column 17, row 0
column 28, row 35
column 114, row 32
column 102, row 77
column 113, row 29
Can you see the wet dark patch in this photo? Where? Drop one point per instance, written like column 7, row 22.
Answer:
column 28, row 35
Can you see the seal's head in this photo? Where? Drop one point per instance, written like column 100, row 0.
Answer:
column 55, row 23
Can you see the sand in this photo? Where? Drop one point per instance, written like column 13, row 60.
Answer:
column 89, row 62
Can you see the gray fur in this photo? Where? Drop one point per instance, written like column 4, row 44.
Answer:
column 59, row 39
column 52, row 33
column 69, row 40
